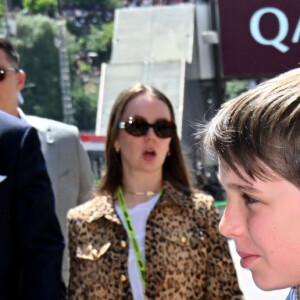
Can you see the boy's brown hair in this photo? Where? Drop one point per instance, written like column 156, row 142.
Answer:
column 260, row 127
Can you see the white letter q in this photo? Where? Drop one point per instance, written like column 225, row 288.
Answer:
column 282, row 33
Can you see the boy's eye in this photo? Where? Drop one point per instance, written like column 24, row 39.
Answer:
column 249, row 199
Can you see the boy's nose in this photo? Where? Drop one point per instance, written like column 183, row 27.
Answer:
column 232, row 223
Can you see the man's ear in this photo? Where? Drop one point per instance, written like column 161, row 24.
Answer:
column 21, row 79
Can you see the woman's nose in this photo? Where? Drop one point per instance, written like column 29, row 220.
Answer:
column 232, row 223
column 150, row 132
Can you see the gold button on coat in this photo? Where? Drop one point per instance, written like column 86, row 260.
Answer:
column 183, row 239
column 123, row 278
column 123, row 244
column 94, row 253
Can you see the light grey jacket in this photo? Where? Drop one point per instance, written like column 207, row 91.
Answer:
column 68, row 166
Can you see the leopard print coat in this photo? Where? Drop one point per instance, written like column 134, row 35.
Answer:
column 186, row 257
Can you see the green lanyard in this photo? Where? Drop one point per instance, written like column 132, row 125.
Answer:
column 135, row 245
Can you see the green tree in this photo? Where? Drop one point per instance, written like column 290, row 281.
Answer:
column 16, row 3
column 235, row 87
column 99, row 40
column 41, row 6
column 39, row 59
column 92, row 4
column 82, row 66
column 85, row 107
column 1, row 16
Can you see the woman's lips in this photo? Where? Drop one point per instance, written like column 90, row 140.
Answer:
column 149, row 154
column 247, row 259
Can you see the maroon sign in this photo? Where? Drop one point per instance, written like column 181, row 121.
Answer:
column 259, row 37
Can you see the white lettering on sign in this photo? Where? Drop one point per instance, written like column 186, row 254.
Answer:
column 277, row 41
column 283, row 28
column 296, row 36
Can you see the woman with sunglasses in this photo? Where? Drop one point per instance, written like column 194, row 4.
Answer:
column 147, row 235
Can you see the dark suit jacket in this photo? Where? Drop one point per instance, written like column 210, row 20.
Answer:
column 31, row 243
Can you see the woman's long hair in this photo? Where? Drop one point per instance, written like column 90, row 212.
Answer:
column 174, row 169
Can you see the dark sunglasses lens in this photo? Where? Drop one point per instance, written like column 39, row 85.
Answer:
column 164, row 129
column 137, row 127
column 2, row 74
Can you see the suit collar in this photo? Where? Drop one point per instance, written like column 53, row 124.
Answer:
column 2, row 178
column 43, row 127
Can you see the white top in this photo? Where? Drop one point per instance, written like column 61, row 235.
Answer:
column 139, row 215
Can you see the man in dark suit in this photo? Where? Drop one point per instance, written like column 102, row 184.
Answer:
column 31, row 242
column 67, row 162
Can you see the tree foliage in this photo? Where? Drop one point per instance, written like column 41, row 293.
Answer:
column 89, row 44
column 99, row 40
column 41, row 6
column 235, row 87
column 92, row 4
column 15, row 3
column 85, row 107
column 40, row 60
column 96, row 40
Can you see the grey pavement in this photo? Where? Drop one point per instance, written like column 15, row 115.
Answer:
column 250, row 290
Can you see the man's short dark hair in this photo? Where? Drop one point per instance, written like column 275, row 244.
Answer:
column 11, row 53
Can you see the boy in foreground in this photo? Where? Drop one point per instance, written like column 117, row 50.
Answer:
column 256, row 138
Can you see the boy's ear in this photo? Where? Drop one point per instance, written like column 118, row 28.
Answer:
column 21, row 79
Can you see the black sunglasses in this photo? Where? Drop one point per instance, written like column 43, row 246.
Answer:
column 4, row 70
column 138, row 126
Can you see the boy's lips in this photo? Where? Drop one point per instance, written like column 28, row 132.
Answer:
column 247, row 259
